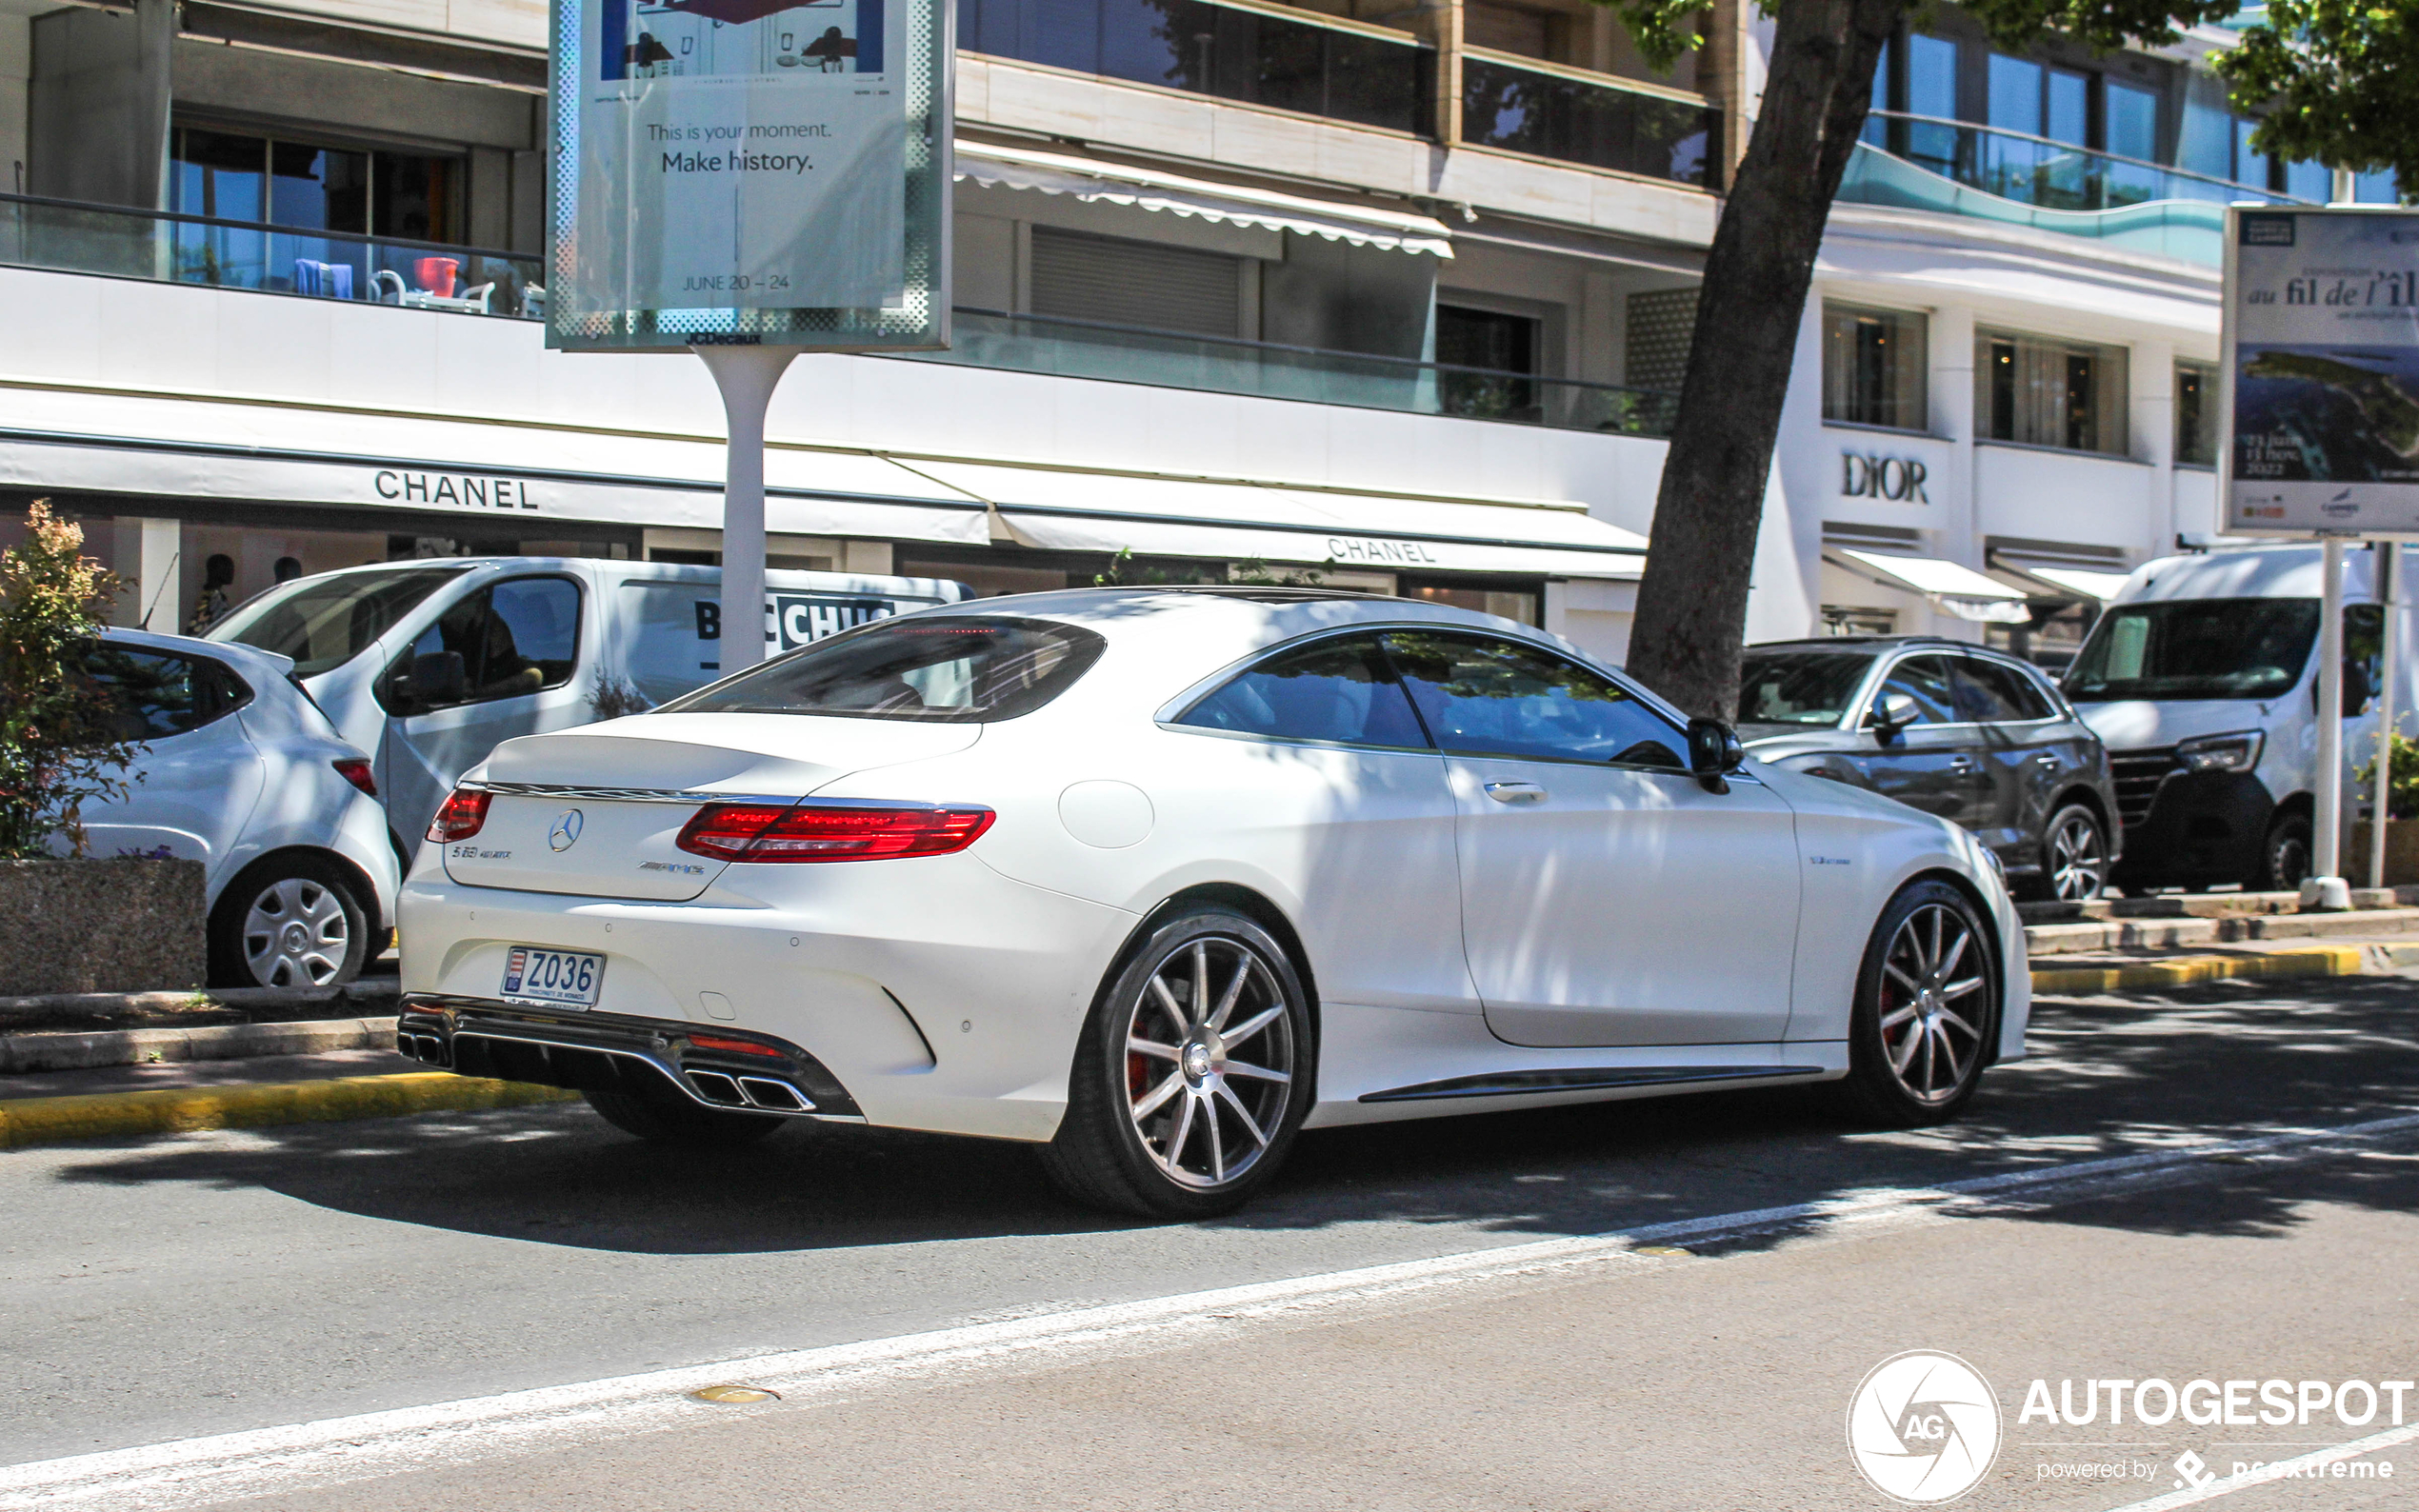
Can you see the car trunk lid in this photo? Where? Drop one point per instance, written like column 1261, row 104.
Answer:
column 598, row 813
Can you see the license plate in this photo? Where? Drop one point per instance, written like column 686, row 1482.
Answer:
column 562, row 979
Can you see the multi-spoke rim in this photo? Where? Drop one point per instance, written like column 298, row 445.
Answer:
column 1931, row 1017
column 296, row 934
column 2079, row 860
column 1209, row 1061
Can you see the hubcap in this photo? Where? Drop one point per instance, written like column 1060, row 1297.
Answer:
column 1931, row 1015
column 296, row 935
column 1208, row 1062
column 2078, row 863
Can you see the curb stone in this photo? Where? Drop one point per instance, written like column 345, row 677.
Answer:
column 2321, row 960
column 20, row 1053
column 30, row 1120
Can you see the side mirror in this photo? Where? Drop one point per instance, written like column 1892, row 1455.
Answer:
column 1893, row 713
column 1713, row 750
column 435, row 680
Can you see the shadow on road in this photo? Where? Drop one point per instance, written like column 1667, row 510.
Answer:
column 2109, row 1075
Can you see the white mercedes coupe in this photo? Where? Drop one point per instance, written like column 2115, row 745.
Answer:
column 1157, row 877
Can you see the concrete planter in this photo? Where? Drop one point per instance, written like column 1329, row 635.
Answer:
column 101, row 926
column 2402, row 853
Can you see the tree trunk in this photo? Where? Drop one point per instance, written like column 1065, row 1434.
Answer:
column 1692, row 601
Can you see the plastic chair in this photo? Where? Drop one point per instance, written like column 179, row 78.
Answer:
column 389, row 286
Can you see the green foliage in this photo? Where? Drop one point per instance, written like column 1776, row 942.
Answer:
column 2402, row 780
column 60, row 737
column 1665, row 29
column 2339, row 80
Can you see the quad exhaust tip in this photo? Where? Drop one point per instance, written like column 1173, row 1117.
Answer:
column 724, row 1091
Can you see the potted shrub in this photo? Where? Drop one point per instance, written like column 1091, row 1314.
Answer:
column 70, row 922
column 2401, row 806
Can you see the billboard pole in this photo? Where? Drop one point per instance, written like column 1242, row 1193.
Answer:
column 2325, row 888
column 746, row 376
column 2388, row 569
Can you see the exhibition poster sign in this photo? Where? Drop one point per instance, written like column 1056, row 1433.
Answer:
column 749, row 172
column 2322, row 356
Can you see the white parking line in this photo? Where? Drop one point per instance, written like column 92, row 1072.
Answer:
column 301, row 1456
column 2298, row 1468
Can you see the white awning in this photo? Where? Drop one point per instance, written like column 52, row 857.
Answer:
column 182, row 447
column 2081, row 582
column 1155, row 515
column 1087, row 178
column 1960, row 590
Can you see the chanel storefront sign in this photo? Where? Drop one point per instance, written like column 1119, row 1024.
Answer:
column 1869, row 475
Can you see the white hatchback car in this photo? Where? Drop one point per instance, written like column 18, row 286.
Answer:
column 235, row 768
column 1154, row 878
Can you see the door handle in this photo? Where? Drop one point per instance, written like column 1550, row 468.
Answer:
column 1515, row 792
column 1962, row 764
column 2045, row 759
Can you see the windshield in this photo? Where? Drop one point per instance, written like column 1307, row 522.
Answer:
column 1799, row 687
column 956, row 669
column 326, row 621
column 2196, row 648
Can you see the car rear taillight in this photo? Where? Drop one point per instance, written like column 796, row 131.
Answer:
column 830, row 831
column 357, row 773
column 460, row 816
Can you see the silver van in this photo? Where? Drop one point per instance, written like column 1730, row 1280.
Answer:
column 429, row 665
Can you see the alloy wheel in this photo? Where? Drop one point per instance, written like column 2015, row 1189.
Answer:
column 2078, row 858
column 1209, row 1062
column 1931, row 1015
column 296, row 934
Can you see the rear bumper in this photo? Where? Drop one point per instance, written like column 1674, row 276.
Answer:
column 723, row 1069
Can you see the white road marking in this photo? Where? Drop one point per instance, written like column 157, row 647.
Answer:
column 2297, row 1468
column 301, row 1456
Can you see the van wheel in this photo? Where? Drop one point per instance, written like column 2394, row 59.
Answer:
column 664, row 1121
column 1192, row 1075
column 289, row 921
column 2283, row 857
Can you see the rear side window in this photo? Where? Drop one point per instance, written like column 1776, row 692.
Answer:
column 957, row 669
column 327, row 622
column 1995, row 693
column 157, row 694
column 1339, row 690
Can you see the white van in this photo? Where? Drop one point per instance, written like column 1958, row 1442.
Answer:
column 429, row 665
column 2202, row 679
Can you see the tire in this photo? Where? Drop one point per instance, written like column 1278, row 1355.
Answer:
column 289, row 921
column 1155, row 1102
column 2074, row 856
column 1891, row 1022
column 661, row 1121
column 2284, row 856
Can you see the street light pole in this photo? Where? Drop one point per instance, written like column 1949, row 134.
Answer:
column 746, row 376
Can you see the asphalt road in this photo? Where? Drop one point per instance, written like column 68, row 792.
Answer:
column 217, row 1283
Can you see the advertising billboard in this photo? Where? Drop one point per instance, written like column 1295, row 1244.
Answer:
column 2322, row 370
column 749, row 172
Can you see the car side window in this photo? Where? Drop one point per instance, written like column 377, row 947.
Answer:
column 1994, row 693
column 1928, row 681
column 1485, row 695
column 1341, row 690
column 156, row 694
column 517, row 637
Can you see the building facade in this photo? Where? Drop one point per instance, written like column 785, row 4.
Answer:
column 1397, row 297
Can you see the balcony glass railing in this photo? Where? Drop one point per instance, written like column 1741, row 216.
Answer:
column 1578, row 118
column 1918, row 162
column 76, row 237
column 1083, row 348
column 1364, row 74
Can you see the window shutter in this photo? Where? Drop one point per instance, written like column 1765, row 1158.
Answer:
column 1144, row 284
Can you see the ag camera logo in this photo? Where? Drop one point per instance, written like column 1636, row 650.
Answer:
column 1923, row 1427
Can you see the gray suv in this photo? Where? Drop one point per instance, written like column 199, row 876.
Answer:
column 1974, row 736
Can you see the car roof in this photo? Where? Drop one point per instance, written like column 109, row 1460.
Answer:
column 235, row 653
column 1863, row 643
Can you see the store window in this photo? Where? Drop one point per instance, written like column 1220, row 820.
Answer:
column 2045, row 392
column 1509, row 602
column 414, row 196
column 2196, row 413
column 1874, row 367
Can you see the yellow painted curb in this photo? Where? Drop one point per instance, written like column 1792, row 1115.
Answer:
column 168, row 1111
column 2320, row 960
